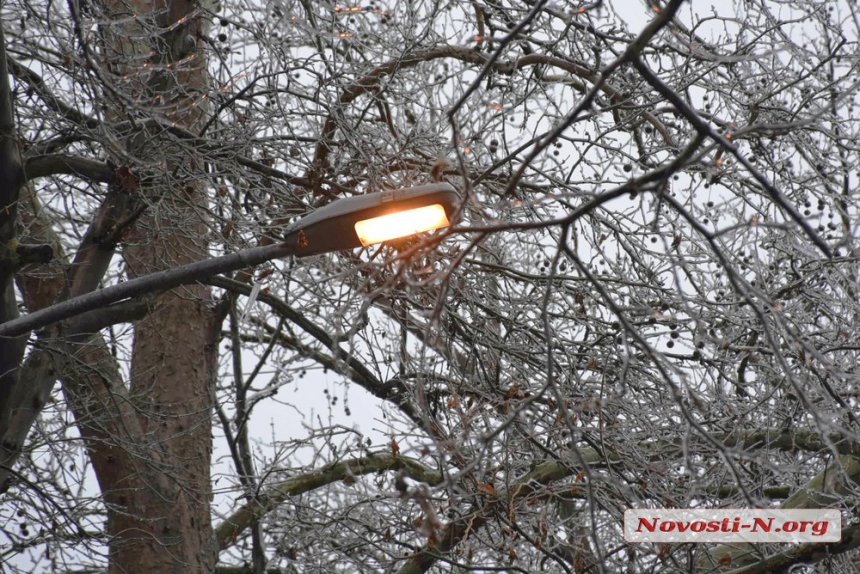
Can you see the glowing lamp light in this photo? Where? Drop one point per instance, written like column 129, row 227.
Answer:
column 363, row 220
column 401, row 224
column 343, row 224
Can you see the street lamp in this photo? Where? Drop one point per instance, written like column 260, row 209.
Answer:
column 343, row 224
column 363, row 220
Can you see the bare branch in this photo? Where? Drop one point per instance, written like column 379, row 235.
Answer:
column 48, row 165
column 827, row 488
column 274, row 495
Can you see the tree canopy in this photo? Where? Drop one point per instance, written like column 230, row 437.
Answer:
column 648, row 298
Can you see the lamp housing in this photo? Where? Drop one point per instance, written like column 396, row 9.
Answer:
column 373, row 218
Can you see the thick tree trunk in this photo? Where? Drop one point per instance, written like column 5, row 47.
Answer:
column 168, row 529
column 158, row 507
column 11, row 181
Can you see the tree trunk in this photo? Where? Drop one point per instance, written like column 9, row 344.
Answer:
column 158, row 506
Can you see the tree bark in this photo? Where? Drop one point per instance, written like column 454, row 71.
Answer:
column 163, row 524
column 11, row 181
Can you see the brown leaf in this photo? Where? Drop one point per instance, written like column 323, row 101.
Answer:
column 487, row 488
column 395, row 448
column 128, row 181
column 265, row 273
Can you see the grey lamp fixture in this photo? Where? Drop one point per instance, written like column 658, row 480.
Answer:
column 373, row 218
column 343, row 224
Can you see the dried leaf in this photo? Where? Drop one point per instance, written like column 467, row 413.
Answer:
column 487, row 488
column 128, row 181
column 265, row 273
